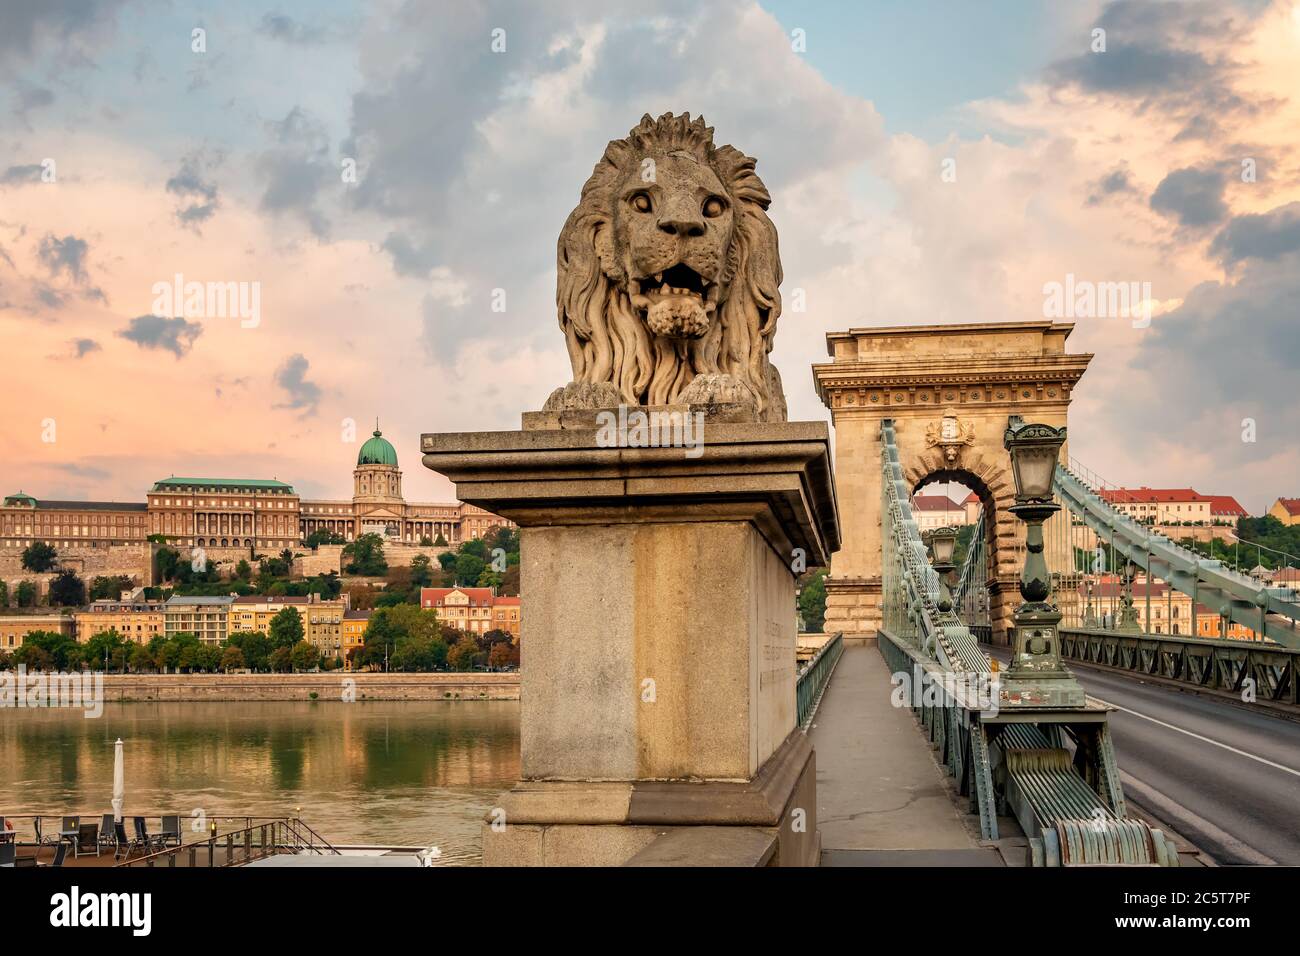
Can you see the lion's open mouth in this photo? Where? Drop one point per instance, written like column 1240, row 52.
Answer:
column 678, row 302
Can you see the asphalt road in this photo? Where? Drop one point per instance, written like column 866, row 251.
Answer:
column 1226, row 778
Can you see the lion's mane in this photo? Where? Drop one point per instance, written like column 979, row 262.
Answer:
column 608, row 342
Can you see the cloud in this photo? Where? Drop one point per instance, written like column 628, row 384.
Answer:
column 280, row 26
column 1192, row 196
column 57, row 34
column 29, row 173
column 1230, row 352
column 83, row 471
column 155, row 332
column 82, row 347
column 479, row 185
column 297, row 168
column 1268, row 235
column 1114, row 183
column 65, row 258
column 199, row 196
column 1177, row 58
column 292, row 378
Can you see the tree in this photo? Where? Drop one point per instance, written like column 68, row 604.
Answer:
column 366, row 556
column 421, row 571
column 34, row 657
column 468, row 569
column 426, row 541
column 286, row 628
column 440, row 541
column 502, row 656
column 363, row 597
column 40, row 557
column 254, row 649
column 102, row 587
column 4, row 594
column 243, row 570
column 410, row 637
column 463, row 654
column 25, row 594
column 322, row 536
column 67, row 590
column 304, row 656
column 166, row 562
column 280, row 660
column 48, row 650
column 103, row 647
column 812, row 601
column 141, row 660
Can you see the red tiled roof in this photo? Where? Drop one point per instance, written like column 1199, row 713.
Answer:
column 1151, row 494
column 1226, row 505
column 434, row 597
column 1292, row 505
column 506, row 602
column 934, row 503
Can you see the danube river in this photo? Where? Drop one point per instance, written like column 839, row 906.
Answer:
column 390, row 773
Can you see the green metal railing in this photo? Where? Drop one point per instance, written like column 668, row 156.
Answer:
column 814, row 676
column 1255, row 671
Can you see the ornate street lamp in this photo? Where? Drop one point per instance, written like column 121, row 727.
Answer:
column 1036, row 677
column 1128, row 618
column 943, row 542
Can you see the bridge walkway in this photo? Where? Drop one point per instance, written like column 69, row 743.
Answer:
column 882, row 798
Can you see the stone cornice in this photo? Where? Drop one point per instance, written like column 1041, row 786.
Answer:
column 956, row 375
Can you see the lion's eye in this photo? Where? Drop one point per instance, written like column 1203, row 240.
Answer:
column 713, row 207
column 641, row 202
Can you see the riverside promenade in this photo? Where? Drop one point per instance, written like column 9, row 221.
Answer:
column 349, row 686
column 882, row 799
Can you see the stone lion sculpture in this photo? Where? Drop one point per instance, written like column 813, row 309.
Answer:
column 668, row 277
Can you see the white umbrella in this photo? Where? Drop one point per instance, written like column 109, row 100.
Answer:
column 119, row 781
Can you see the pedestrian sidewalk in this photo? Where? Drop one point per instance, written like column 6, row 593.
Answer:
column 879, row 787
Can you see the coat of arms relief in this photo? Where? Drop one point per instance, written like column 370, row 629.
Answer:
column 950, row 434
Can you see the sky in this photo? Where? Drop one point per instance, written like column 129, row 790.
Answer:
column 381, row 177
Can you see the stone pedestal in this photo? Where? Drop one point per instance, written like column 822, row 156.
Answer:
column 658, row 631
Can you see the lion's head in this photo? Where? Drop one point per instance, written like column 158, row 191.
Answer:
column 669, row 270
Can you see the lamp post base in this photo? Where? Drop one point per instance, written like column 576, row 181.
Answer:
column 1036, row 677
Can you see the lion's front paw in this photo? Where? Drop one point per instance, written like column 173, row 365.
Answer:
column 718, row 389
column 582, row 395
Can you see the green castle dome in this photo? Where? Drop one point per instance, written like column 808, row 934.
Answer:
column 377, row 451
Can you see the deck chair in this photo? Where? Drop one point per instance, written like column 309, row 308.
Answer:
column 70, row 830
column 142, row 837
column 87, row 839
column 8, row 853
column 124, row 843
column 171, row 831
column 107, row 838
column 60, row 854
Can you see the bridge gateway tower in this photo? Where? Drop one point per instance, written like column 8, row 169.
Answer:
column 949, row 389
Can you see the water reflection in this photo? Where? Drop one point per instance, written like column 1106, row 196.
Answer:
column 397, row 773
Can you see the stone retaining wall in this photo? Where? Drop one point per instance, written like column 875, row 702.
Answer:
column 327, row 687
